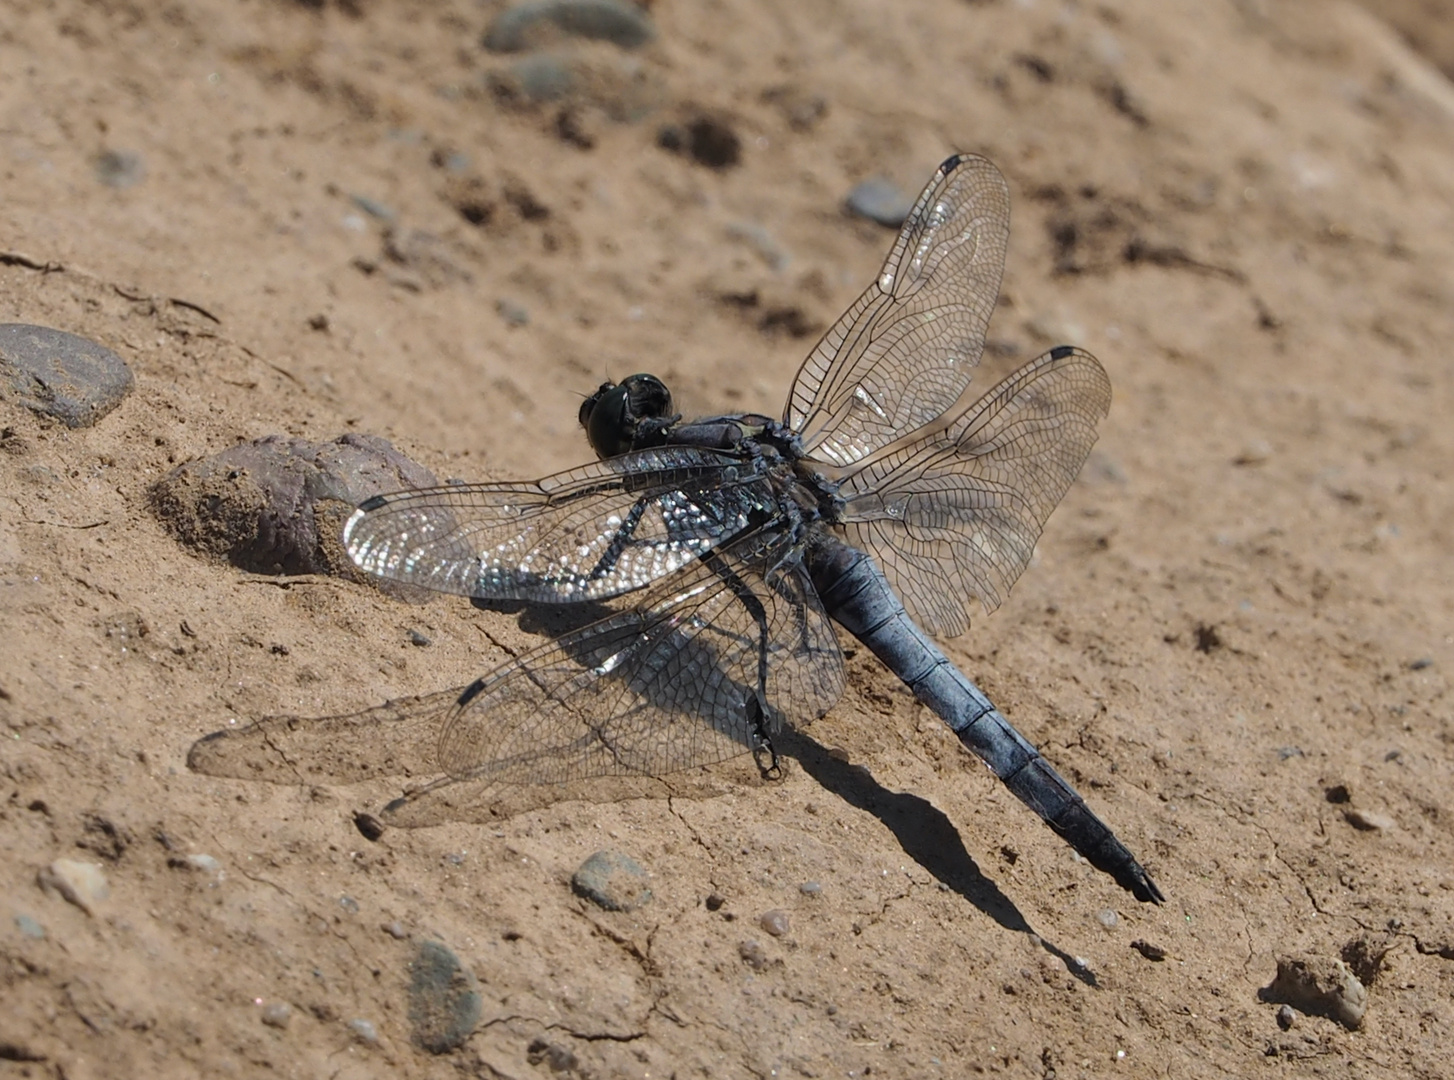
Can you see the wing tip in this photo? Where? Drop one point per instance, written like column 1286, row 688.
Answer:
column 205, row 751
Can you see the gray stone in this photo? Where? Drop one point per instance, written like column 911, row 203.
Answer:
column 775, row 922
column 279, row 1014
column 613, row 881
column 543, row 77
column 514, row 314
column 753, row 954
column 364, row 1031
column 529, row 25
column 62, row 375
column 120, row 168
column 444, row 999
column 880, row 200
column 373, row 207
column 276, row 505
column 206, row 863
column 29, row 927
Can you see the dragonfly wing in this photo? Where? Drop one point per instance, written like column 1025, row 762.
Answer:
column 591, row 533
column 393, row 739
column 688, row 676
column 907, row 349
column 956, row 514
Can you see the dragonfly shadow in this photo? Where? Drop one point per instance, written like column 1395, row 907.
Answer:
column 927, row 836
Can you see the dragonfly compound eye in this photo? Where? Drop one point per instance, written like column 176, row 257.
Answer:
column 612, row 414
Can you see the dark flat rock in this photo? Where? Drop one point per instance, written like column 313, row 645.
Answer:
column 444, row 999
column 276, row 505
column 62, row 375
column 529, row 25
column 613, row 881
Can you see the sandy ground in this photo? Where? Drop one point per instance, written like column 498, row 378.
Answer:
column 318, row 218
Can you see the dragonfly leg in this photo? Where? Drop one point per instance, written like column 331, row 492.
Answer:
column 762, row 745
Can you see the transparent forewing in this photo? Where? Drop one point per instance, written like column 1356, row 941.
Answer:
column 956, row 515
column 594, row 532
column 907, row 349
column 683, row 678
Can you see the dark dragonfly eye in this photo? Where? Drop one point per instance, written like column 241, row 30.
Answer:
column 613, row 413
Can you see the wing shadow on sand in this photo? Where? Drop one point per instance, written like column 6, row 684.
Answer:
column 397, row 740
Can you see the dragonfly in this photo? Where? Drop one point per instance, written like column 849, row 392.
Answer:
column 907, row 481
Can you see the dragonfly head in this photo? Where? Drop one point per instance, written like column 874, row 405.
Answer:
column 613, row 415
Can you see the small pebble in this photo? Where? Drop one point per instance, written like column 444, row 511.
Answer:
column 444, row 999
column 205, row 863
column 514, row 314
column 753, row 954
column 119, row 168
column 395, row 930
column 279, row 1014
column 29, row 927
column 775, row 922
column 373, row 208
column 880, row 200
column 1286, row 1017
column 364, row 1031
column 82, row 883
column 1108, row 918
column 349, row 904
column 518, row 28
column 1368, row 821
column 419, row 640
column 810, row 888
column 1421, row 663
column 613, row 881
column 62, row 375
column 715, row 901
